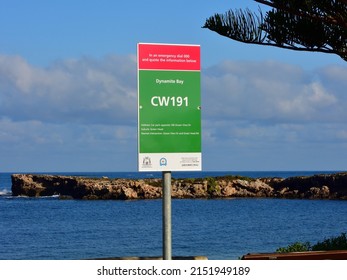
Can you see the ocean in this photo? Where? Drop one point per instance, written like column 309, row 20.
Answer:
column 48, row 228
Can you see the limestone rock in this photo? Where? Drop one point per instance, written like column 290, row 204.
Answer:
column 332, row 186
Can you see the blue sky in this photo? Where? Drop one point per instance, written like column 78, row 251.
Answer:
column 68, row 91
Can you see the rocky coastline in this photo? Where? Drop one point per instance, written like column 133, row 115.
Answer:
column 320, row 186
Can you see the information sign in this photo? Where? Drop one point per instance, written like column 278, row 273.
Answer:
column 169, row 108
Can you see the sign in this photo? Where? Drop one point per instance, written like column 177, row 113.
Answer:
column 169, row 108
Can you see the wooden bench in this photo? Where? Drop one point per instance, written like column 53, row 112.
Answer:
column 155, row 258
column 309, row 255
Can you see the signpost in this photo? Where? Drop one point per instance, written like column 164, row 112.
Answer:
column 169, row 116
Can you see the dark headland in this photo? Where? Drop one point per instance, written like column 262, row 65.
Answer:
column 320, row 186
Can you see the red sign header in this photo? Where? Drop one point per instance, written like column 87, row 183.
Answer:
column 168, row 57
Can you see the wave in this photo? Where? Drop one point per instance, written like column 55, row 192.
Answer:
column 55, row 196
column 5, row 192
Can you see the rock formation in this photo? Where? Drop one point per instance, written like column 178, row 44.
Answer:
column 332, row 186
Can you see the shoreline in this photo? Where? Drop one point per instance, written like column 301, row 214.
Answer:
column 320, row 186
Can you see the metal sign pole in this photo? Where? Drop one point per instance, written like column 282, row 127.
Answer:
column 169, row 117
column 167, row 246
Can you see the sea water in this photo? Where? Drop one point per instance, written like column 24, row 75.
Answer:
column 49, row 228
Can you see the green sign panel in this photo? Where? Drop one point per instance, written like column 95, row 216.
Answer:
column 169, row 126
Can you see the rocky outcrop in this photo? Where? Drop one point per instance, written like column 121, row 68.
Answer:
column 333, row 186
column 33, row 185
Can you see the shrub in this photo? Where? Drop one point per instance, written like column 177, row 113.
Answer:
column 211, row 182
column 333, row 243
column 235, row 177
column 295, row 247
column 212, row 187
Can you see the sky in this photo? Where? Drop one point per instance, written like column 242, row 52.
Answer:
column 68, row 89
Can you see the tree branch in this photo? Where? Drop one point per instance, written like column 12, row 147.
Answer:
column 290, row 29
column 289, row 47
column 328, row 19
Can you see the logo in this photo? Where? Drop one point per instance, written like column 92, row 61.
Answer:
column 163, row 162
column 146, row 162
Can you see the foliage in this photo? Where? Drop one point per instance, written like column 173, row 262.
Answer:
column 154, row 182
column 333, row 243
column 211, row 181
column 295, row 247
column 302, row 25
column 234, row 177
column 190, row 180
column 212, row 187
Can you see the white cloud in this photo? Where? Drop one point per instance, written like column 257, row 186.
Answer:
column 80, row 114
column 271, row 92
column 81, row 91
column 104, row 91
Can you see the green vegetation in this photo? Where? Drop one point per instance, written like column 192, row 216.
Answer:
column 333, row 243
column 211, row 181
column 212, row 186
column 306, row 25
column 191, row 180
column 295, row 247
column 234, row 177
column 154, row 182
